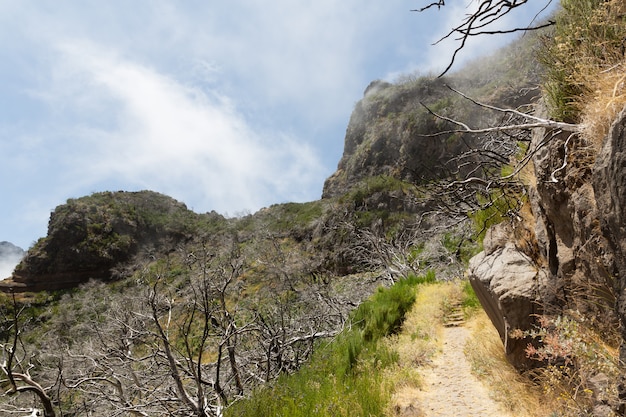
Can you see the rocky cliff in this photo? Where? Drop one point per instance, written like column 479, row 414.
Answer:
column 393, row 132
column 97, row 237
column 578, row 223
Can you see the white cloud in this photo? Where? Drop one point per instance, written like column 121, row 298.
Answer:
column 181, row 140
column 8, row 264
column 6, row 268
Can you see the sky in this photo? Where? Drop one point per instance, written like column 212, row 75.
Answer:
column 223, row 105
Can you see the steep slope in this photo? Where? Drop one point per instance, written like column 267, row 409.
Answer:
column 570, row 309
column 392, row 131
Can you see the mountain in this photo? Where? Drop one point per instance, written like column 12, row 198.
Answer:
column 392, row 130
column 89, row 237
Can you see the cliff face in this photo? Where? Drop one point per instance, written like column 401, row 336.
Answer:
column 392, row 131
column 385, row 136
column 578, row 222
column 609, row 185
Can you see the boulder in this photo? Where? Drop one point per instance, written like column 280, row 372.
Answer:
column 509, row 286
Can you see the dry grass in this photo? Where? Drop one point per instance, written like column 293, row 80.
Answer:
column 607, row 100
column 585, row 63
column 485, row 353
column 546, row 394
column 553, row 390
column 417, row 343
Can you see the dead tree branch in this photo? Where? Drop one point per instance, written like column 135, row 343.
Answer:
column 477, row 23
column 16, row 368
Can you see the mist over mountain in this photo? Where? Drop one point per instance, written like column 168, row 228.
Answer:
column 10, row 256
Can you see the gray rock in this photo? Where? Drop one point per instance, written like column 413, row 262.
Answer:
column 609, row 184
column 509, row 286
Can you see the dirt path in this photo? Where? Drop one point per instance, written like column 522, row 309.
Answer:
column 450, row 388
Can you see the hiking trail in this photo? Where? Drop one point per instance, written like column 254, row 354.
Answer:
column 449, row 388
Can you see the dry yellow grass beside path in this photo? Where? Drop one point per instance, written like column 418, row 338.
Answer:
column 436, row 365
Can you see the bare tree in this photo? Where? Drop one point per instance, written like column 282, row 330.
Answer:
column 178, row 342
column 482, row 19
column 489, row 172
column 16, row 368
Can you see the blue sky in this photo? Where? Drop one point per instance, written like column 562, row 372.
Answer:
column 226, row 106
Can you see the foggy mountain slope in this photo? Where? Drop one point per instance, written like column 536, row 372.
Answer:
column 390, row 129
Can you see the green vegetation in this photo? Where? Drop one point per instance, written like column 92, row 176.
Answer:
column 459, row 246
column 469, row 300
column 359, row 194
column 346, row 376
column 495, row 207
column 586, row 47
column 293, row 218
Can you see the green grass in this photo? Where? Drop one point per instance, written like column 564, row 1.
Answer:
column 344, row 377
column 496, row 206
column 469, row 299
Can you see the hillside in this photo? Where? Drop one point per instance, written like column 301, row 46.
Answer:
column 133, row 304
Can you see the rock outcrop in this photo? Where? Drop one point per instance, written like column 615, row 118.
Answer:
column 609, row 184
column 392, row 133
column 579, row 214
column 510, row 288
column 385, row 136
column 96, row 236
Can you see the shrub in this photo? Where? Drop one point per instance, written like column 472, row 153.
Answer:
column 383, row 314
column 573, row 354
column 494, row 209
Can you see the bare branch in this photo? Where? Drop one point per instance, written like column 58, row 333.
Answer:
column 437, row 4
column 532, row 121
column 17, row 371
column 487, row 13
